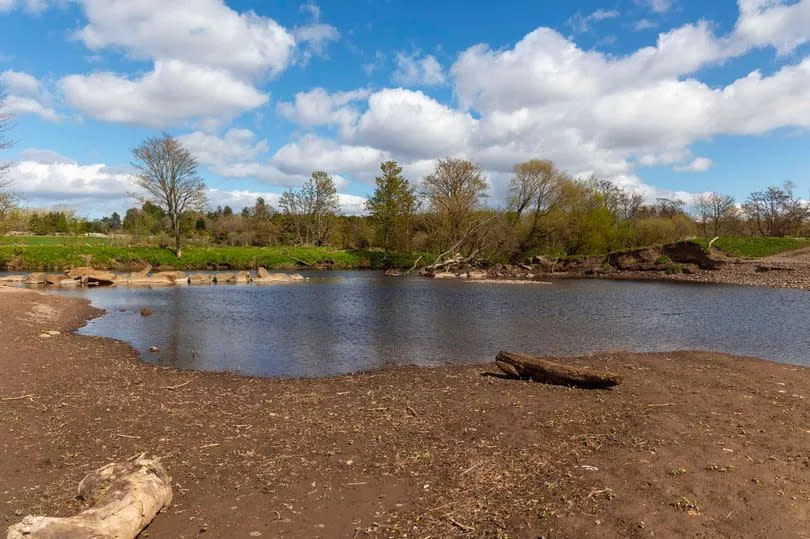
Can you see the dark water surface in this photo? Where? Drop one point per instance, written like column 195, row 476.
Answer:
column 343, row 322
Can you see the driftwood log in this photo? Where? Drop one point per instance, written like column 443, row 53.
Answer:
column 123, row 498
column 549, row 372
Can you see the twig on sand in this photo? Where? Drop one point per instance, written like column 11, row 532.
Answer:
column 460, row 525
column 127, row 436
column 473, row 467
column 206, row 446
column 662, row 404
column 178, row 386
column 17, row 398
column 597, row 492
column 411, row 410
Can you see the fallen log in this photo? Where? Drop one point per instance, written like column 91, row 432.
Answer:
column 549, row 372
column 124, row 498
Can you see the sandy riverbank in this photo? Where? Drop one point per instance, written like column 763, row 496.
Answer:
column 423, row 452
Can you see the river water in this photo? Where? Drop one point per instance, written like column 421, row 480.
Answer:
column 340, row 322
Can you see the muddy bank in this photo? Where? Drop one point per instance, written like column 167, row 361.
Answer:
column 692, row 443
column 683, row 261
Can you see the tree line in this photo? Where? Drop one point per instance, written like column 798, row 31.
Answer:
column 547, row 211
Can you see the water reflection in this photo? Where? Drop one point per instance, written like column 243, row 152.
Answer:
column 351, row 321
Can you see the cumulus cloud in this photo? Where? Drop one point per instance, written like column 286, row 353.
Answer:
column 589, row 112
column 777, row 23
column 195, row 46
column 320, row 107
column 235, row 145
column 25, row 95
column 45, row 179
column 412, row 124
column 172, row 92
column 315, row 153
column 191, row 31
column 413, row 69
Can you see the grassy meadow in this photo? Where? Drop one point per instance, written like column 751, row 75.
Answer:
column 754, row 247
column 53, row 253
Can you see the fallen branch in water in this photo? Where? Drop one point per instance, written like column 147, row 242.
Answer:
column 414, row 265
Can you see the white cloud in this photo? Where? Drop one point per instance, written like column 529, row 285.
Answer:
column 174, row 91
column 207, row 59
column 319, row 107
column 580, row 23
column 783, row 25
column 204, row 32
column 699, row 164
column 93, row 189
column 25, row 95
column 236, row 145
column 411, row 124
column 315, row 153
column 415, row 70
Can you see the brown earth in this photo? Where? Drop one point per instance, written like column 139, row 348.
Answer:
column 691, row 444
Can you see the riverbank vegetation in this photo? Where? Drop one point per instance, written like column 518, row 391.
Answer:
column 546, row 212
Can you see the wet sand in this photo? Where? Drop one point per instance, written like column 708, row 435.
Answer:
column 692, row 443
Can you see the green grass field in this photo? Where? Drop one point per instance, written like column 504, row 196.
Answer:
column 754, row 247
column 52, row 253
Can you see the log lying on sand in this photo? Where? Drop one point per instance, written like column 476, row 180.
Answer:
column 548, row 372
column 124, row 498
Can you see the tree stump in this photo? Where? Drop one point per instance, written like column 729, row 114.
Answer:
column 549, row 372
column 123, row 498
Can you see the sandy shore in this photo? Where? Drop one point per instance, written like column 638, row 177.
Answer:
column 693, row 443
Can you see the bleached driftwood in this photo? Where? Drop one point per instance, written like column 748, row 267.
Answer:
column 123, row 498
column 549, row 372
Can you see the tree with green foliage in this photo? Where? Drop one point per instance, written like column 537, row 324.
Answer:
column 166, row 174
column 391, row 207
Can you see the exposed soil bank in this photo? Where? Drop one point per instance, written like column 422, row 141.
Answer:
column 683, row 261
column 691, row 444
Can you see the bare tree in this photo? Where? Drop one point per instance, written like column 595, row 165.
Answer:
column 776, row 211
column 714, row 209
column 8, row 200
column 311, row 210
column 454, row 190
column 533, row 191
column 167, row 176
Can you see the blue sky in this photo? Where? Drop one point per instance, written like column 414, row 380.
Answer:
column 667, row 97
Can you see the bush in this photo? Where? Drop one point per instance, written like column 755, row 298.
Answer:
column 674, row 269
column 663, row 259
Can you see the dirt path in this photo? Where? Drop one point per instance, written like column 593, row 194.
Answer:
column 692, row 444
